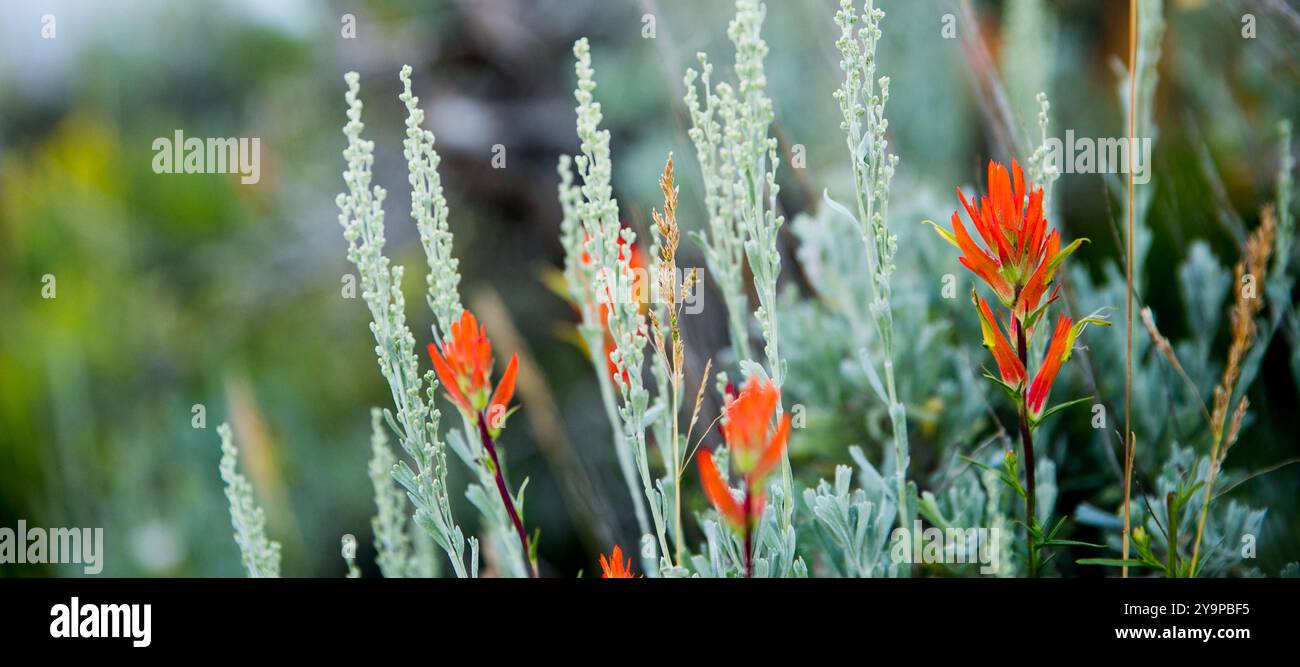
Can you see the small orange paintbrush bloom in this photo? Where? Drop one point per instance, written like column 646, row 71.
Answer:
column 1018, row 261
column 464, row 366
column 755, row 452
column 614, row 567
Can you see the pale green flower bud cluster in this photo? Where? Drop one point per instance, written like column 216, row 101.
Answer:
column 862, row 99
column 429, row 209
column 738, row 161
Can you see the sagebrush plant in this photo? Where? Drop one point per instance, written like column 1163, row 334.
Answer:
column 738, row 162
column 579, row 285
column 416, row 421
column 396, row 551
column 870, row 337
column 608, row 246
column 862, row 99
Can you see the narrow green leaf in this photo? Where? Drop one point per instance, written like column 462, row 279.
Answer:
column 1060, row 256
column 1071, row 543
column 947, row 235
column 1116, row 562
column 1013, row 392
column 977, row 464
column 1056, row 529
column 1057, row 408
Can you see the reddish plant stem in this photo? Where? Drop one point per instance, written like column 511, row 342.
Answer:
column 749, row 536
column 490, row 445
column 1027, row 444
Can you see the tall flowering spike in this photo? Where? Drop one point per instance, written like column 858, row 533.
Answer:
column 1019, row 257
column 464, row 366
column 614, row 567
column 1018, row 262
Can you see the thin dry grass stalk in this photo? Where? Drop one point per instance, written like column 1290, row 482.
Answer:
column 669, row 344
column 1248, row 301
column 1234, row 427
column 699, row 402
column 1128, row 277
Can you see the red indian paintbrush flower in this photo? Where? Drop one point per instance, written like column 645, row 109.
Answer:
column 464, row 366
column 1018, row 260
column 614, row 567
column 755, row 452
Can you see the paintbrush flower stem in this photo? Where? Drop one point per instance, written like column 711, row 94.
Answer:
column 489, row 444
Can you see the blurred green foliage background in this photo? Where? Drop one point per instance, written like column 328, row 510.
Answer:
column 182, row 290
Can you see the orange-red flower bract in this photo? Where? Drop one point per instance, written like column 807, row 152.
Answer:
column 1057, row 352
column 718, row 492
column 748, row 429
column 755, row 450
column 1004, row 354
column 464, row 366
column 614, row 567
